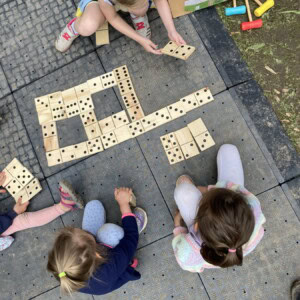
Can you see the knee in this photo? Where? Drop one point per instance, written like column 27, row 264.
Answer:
column 185, row 191
column 94, row 204
column 140, row 12
column 88, row 26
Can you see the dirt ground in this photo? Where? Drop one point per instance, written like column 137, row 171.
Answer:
column 273, row 55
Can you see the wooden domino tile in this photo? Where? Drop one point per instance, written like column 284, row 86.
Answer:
column 86, row 103
column 136, row 128
column 45, row 115
column 42, row 103
column 169, row 141
column 204, row 141
column 130, row 100
column 121, row 73
column 122, row 134
column 95, row 85
column 53, row 158
column 67, row 153
column 49, row 129
column 14, row 187
column 95, row 145
column 120, row 119
column 69, row 95
column 81, row 150
column 163, row 116
column 184, row 136
column 135, row 112
column 102, row 37
column 174, row 155
column 197, row 127
column 51, row 143
column 8, row 178
column 92, row 131
column 23, row 195
column 190, row 150
column 108, row 80
column 14, row 167
column 58, row 112
column 33, row 188
column 24, row 176
column 88, row 118
column 125, row 86
column 176, row 110
column 55, row 99
column 72, row 108
column 82, row 90
column 107, row 125
column 156, row 119
column 184, row 52
column 169, row 48
column 204, row 96
column 109, row 139
column 189, row 102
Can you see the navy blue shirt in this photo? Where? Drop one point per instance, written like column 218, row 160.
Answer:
column 6, row 220
column 117, row 270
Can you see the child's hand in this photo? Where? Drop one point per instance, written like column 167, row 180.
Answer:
column 123, row 195
column 177, row 38
column 19, row 208
column 149, row 46
column 2, row 180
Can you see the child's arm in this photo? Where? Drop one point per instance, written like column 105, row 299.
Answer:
column 164, row 11
column 119, row 24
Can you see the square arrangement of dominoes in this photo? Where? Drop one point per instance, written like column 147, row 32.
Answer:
column 182, row 144
column 112, row 130
column 19, row 182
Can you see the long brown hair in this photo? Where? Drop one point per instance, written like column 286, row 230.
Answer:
column 225, row 221
column 76, row 253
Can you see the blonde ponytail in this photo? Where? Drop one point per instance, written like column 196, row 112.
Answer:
column 74, row 258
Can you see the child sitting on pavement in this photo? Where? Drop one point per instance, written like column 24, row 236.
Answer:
column 92, row 14
column 18, row 219
column 224, row 222
column 98, row 258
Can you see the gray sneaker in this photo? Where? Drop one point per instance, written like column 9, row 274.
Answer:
column 65, row 38
column 141, row 218
column 141, row 25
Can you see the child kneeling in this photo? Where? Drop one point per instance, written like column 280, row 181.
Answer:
column 224, row 222
column 98, row 258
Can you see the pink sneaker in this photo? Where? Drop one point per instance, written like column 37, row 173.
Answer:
column 141, row 25
column 66, row 38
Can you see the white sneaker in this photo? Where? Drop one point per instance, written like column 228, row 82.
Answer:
column 141, row 25
column 65, row 38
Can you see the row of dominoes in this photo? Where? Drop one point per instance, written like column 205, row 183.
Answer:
column 181, row 52
column 19, row 182
column 117, row 129
column 181, row 144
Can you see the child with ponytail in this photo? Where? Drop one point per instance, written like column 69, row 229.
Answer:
column 224, row 221
column 98, row 258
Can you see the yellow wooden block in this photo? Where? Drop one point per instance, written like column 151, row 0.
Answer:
column 102, row 37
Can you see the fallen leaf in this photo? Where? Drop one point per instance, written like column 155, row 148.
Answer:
column 277, row 98
column 296, row 129
column 285, row 90
column 270, row 70
column 288, row 114
column 286, row 121
column 277, row 92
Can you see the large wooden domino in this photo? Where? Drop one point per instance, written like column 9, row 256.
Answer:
column 121, row 73
column 130, row 100
column 95, row 85
column 88, row 118
column 108, row 80
column 197, row 127
column 109, row 139
column 135, row 112
column 120, row 119
column 183, row 136
column 204, row 141
column 190, row 150
column 95, row 145
column 107, row 125
column 122, row 134
column 181, row 52
column 135, row 128
column 204, row 96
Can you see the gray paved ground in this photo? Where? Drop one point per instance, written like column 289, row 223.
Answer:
column 30, row 67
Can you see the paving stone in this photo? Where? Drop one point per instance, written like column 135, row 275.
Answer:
column 161, row 277
column 14, row 141
column 70, row 131
column 28, row 33
column 123, row 165
column 261, row 118
column 292, row 192
column 4, row 88
column 23, row 265
column 226, row 125
column 220, row 46
column 269, row 270
column 163, row 79
column 55, row 295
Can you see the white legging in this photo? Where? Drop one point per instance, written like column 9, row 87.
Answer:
column 187, row 196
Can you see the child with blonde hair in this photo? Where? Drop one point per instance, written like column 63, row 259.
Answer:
column 18, row 219
column 98, row 258
column 92, row 14
column 223, row 222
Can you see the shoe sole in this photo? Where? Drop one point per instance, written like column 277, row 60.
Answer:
column 66, row 186
column 145, row 221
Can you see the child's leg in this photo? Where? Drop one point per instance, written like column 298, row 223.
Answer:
column 94, row 217
column 34, row 219
column 91, row 19
column 230, row 166
column 110, row 234
column 187, row 198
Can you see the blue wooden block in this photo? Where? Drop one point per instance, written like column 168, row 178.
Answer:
column 239, row 10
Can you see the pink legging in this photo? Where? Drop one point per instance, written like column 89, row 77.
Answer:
column 34, row 219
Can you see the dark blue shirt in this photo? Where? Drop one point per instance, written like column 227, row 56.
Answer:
column 116, row 271
column 6, row 220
